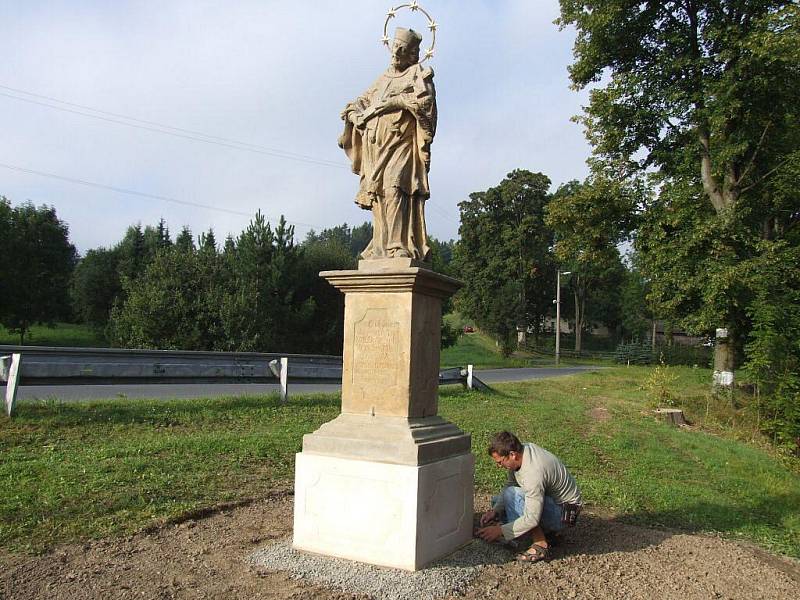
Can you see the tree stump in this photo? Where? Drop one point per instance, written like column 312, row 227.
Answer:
column 673, row 416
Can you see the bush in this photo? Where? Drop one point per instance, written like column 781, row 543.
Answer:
column 678, row 354
column 635, row 353
column 659, row 386
column 450, row 334
column 641, row 353
column 773, row 351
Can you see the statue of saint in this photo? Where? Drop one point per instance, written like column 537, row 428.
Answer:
column 387, row 136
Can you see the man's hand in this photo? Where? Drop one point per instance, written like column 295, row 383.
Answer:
column 491, row 533
column 487, row 517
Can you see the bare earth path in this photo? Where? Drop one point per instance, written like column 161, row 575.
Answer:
column 206, row 556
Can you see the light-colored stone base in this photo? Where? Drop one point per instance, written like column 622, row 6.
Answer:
column 385, row 514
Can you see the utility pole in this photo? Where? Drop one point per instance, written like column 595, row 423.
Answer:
column 558, row 313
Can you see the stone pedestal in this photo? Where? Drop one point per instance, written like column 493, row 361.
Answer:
column 387, row 482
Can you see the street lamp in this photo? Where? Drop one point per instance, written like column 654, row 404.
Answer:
column 558, row 313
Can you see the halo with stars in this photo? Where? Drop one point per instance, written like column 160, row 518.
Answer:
column 413, row 7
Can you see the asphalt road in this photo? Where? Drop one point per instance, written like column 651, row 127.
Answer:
column 210, row 390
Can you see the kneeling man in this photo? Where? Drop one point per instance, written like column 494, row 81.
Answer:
column 540, row 496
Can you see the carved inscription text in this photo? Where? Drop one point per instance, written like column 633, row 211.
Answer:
column 376, row 343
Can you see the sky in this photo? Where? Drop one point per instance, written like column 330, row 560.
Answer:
column 202, row 112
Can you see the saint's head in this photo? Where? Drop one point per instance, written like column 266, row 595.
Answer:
column 405, row 49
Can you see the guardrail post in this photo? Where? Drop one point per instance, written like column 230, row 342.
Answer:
column 469, row 377
column 11, row 383
column 284, row 380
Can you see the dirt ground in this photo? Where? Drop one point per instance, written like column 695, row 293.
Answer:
column 205, row 556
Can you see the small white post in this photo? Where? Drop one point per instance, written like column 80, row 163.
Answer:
column 11, row 384
column 469, row 377
column 284, row 379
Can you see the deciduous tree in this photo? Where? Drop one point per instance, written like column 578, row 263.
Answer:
column 504, row 256
column 705, row 95
column 590, row 220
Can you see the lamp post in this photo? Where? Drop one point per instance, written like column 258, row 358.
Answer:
column 558, row 313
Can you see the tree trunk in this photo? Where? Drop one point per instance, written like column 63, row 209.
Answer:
column 722, row 197
column 653, row 337
column 723, row 360
column 673, row 416
column 578, row 321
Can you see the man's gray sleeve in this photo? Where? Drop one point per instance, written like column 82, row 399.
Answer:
column 534, row 503
column 500, row 506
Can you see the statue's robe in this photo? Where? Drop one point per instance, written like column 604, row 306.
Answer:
column 390, row 150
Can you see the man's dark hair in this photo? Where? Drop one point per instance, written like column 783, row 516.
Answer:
column 504, row 443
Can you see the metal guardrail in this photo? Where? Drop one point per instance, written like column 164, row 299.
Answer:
column 33, row 365
column 49, row 365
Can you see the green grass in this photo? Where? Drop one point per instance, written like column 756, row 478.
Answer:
column 74, row 471
column 63, row 334
column 479, row 350
column 641, row 469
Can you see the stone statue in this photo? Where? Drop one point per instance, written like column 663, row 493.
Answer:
column 387, row 136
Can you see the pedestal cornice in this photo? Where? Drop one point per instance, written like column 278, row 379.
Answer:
column 409, row 279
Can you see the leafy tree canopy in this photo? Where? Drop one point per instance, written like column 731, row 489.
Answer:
column 716, row 80
column 703, row 96
column 36, row 269
column 504, row 257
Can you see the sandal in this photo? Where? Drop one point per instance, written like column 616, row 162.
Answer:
column 534, row 554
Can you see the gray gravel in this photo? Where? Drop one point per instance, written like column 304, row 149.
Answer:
column 448, row 576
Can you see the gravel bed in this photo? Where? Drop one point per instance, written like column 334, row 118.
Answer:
column 450, row 575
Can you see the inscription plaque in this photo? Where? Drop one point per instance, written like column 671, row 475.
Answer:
column 376, row 340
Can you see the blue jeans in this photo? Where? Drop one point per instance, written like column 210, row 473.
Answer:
column 514, row 501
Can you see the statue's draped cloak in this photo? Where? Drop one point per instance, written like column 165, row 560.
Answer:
column 392, row 150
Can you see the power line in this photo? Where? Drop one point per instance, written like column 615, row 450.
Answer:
column 153, row 126
column 120, row 190
column 441, row 212
column 179, row 132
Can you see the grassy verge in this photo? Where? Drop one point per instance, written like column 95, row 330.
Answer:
column 478, row 349
column 63, row 334
column 79, row 470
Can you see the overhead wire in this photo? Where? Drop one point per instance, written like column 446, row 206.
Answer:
column 156, row 127
column 440, row 211
column 137, row 193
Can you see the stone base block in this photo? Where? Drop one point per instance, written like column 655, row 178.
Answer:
column 384, row 514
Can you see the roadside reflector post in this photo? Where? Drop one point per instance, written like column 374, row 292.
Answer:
column 284, row 380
